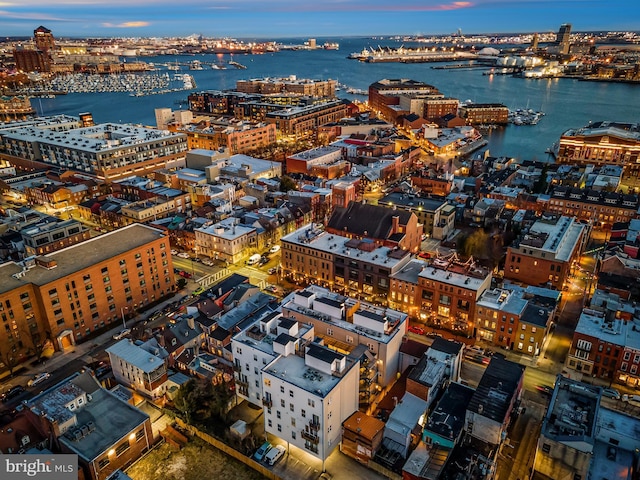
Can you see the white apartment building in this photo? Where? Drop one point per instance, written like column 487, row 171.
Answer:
column 226, row 240
column 308, row 394
column 258, row 346
column 345, row 323
column 140, row 367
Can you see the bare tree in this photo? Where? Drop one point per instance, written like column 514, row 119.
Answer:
column 9, row 359
column 36, row 343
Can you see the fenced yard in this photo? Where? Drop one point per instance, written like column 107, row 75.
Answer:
column 196, row 461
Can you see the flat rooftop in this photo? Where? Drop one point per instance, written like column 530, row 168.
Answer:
column 335, row 244
column 472, row 278
column 78, row 257
column 572, row 412
column 103, row 138
column 293, row 369
column 411, row 201
column 112, row 419
column 555, row 234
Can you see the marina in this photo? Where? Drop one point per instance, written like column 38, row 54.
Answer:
column 524, row 116
column 567, row 102
column 136, row 84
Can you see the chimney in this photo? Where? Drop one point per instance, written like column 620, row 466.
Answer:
column 395, row 224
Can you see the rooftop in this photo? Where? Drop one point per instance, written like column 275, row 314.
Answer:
column 78, row 257
column 294, row 370
column 103, row 138
column 413, row 202
column 499, row 383
column 553, row 233
column 384, row 333
column 318, row 239
column 447, row 419
column 572, row 413
column 365, row 425
column 136, row 356
column 451, row 272
column 110, row 419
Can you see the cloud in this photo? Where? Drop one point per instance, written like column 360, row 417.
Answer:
column 126, row 24
column 33, row 16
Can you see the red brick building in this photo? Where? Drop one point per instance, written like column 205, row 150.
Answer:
column 544, row 255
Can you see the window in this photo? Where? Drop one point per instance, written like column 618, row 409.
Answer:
column 120, row 449
column 282, row 402
column 546, row 448
column 291, row 393
column 278, row 414
column 311, row 403
column 103, row 463
column 140, row 435
column 303, row 412
column 279, row 427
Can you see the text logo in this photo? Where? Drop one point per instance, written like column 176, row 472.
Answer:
column 40, row 467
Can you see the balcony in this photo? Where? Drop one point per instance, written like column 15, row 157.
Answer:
column 310, row 436
column 267, row 402
column 314, row 425
column 237, row 368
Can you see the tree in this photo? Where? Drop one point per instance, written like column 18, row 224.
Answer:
column 37, row 344
column 221, row 395
column 181, row 283
column 541, row 184
column 287, row 183
column 476, row 244
column 10, row 360
column 186, row 400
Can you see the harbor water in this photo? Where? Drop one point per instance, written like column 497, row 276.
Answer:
column 567, row 103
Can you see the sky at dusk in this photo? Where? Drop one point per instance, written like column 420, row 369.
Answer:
column 302, row 18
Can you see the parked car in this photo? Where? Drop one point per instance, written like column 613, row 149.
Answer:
column 271, row 288
column 611, row 393
column 424, row 255
column 416, row 330
column 274, row 454
column 122, row 333
column 545, row 389
column 183, row 255
column 102, row 368
column 263, row 261
column 262, row 451
column 272, row 270
column 207, row 262
column 38, row 378
column 274, row 249
column 174, row 252
column 13, row 392
column 631, row 399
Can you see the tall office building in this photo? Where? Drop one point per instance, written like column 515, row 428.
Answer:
column 562, row 38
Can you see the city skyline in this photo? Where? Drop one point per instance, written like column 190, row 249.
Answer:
column 286, row 18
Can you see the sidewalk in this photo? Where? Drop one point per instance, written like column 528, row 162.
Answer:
column 26, row 370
